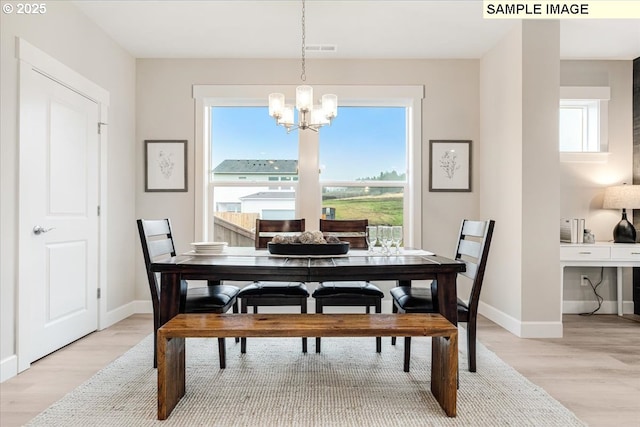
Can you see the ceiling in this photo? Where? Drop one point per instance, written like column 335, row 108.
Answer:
column 357, row 28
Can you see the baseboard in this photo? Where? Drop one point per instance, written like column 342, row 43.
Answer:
column 519, row 328
column 8, row 368
column 608, row 307
column 114, row 316
column 143, row 307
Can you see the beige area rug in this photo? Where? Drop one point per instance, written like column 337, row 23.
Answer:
column 274, row 384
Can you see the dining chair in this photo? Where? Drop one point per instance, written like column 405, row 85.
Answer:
column 473, row 249
column 157, row 243
column 269, row 294
column 350, row 293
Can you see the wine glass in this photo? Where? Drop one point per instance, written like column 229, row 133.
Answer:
column 396, row 236
column 384, row 233
column 372, row 237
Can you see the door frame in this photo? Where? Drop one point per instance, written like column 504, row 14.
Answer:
column 32, row 59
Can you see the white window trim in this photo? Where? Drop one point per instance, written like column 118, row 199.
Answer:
column 206, row 96
column 602, row 94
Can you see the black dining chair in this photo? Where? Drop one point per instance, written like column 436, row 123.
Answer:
column 348, row 294
column 264, row 294
column 473, row 249
column 157, row 243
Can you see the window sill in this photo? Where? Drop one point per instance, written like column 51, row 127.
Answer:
column 583, row 157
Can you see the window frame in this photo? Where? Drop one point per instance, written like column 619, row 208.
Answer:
column 409, row 97
column 594, row 100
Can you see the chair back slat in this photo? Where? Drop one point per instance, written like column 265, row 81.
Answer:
column 156, row 227
column 347, row 230
column 267, row 228
column 470, row 248
column 471, row 270
column 474, row 228
column 158, row 248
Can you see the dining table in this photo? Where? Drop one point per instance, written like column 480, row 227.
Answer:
column 246, row 264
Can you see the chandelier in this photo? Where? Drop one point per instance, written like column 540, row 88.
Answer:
column 310, row 116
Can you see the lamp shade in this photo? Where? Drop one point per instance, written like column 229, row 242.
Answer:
column 622, row 197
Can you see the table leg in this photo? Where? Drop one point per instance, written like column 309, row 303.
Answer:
column 170, row 300
column 447, row 296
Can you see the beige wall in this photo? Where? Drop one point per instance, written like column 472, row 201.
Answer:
column 68, row 36
column 519, row 179
column 541, row 295
column 501, row 172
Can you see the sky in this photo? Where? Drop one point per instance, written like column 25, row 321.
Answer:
column 361, row 142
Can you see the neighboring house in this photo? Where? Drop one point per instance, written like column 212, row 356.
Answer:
column 256, row 170
column 270, row 204
column 278, row 202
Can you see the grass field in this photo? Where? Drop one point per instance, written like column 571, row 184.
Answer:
column 379, row 210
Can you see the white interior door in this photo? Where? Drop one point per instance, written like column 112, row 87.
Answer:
column 59, row 228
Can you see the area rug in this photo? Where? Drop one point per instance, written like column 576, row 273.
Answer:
column 275, row 384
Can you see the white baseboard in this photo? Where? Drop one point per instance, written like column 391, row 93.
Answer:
column 8, row 368
column 143, row 307
column 114, row 316
column 9, row 365
column 124, row 311
column 608, row 307
column 519, row 328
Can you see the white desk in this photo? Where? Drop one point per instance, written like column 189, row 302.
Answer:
column 600, row 254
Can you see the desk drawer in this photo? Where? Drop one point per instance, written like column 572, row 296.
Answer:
column 629, row 253
column 586, row 252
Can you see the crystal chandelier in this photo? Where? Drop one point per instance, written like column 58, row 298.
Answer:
column 310, row 116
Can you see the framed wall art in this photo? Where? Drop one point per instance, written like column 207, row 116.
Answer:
column 450, row 165
column 165, row 165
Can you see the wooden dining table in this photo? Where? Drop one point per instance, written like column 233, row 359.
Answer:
column 249, row 264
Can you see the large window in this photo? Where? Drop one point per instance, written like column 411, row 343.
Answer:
column 359, row 167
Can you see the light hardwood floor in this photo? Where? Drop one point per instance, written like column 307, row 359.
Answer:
column 594, row 370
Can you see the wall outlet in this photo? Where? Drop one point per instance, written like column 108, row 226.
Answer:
column 584, row 280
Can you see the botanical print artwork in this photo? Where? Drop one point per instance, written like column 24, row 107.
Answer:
column 166, row 163
column 449, row 163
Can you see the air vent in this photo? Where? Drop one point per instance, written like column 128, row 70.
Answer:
column 326, row 48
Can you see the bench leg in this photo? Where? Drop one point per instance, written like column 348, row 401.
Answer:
column 171, row 374
column 444, row 372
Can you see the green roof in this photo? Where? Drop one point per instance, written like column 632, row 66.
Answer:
column 258, row 166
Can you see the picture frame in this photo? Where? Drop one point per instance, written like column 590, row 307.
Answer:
column 450, row 165
column 165, row 165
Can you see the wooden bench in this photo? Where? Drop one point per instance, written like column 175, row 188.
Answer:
column 171, row 343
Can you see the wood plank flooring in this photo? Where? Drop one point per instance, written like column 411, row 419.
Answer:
column 594, row 370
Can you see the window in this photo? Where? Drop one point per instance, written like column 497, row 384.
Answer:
column 360, row 166
column 363, row 163
column 583, row 119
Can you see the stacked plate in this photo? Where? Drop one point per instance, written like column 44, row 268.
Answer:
column 208, row 248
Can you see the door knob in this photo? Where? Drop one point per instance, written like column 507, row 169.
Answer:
column 39, row 230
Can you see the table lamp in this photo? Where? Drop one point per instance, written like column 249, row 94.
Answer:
column 623, row 197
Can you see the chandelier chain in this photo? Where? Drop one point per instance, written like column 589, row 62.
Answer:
column 303, row 76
